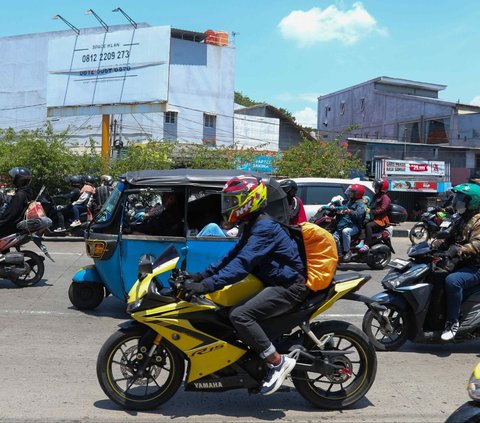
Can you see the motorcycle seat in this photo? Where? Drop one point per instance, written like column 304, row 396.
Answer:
column 346, row 277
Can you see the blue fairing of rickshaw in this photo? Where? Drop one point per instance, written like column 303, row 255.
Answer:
column 87, row 274
column 133, row 249
column 201, row 252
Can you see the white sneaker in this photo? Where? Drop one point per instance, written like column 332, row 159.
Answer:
column 277, row 375
column 59, row 230
column 450, row 331
column 75, row 223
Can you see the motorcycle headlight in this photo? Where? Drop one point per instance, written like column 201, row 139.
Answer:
column 473, row 387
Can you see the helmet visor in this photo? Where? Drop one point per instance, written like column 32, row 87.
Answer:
column 460, row 202
column 230, row 201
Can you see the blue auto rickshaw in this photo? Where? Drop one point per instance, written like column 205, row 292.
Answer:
column 127, row 227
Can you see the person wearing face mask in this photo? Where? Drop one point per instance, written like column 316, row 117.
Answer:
column 466, row 252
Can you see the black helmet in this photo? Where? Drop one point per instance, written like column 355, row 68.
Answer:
column 106, row 180
column 77, row 181
column 20, row 176
column 290, row 187
column 89, row 179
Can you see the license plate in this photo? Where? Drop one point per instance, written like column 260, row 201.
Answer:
column 445, row 224
column 399, row 263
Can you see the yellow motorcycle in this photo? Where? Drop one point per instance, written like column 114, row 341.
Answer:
column 142, row 365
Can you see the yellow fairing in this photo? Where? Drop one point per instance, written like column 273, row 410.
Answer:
column 476, row 371
column 140, row 288
column 207, row 354
column 340, row 289
column 233, row 294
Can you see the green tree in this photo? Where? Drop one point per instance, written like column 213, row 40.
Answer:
column 317, row 159
column 151, row 155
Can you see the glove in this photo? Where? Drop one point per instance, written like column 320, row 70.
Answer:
column 195, row 288
column 196, row 277
column 452, row 251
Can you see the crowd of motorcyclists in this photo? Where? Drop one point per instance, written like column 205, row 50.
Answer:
column 243, row 199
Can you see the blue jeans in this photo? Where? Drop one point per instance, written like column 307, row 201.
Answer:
column 346, row 235
column 77, row 210
column 212, row 229
column 455, row 284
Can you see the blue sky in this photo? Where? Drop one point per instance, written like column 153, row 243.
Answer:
column 288, row 52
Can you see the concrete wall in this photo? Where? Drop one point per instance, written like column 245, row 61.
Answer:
column 258, row 132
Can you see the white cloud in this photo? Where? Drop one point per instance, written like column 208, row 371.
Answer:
column 475, row 101
column 331, row 24
column 306, row 117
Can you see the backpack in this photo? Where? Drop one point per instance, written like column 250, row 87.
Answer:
column 318, row 251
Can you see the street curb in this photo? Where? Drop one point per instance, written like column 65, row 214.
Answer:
column 401, row 233
column 63, row 238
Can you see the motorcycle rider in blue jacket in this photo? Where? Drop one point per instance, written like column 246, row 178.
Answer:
column 267, row 251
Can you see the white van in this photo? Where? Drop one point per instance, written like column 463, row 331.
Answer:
column 316, row 192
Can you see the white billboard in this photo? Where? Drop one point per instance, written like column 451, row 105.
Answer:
column 120, row 67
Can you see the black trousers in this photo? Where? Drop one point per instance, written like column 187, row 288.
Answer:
column 370, row 228
column 271, row 301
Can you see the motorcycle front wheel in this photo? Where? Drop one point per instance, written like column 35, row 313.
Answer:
column 419, row 233
column 118, row 370
column 358, row 366
column 381, row 338
column 36, row 269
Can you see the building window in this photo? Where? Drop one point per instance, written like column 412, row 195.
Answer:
column 342, row 108
column 171, row 117
column 477, row 161
column 362, row 104
column 436, row 131
column 209, row 121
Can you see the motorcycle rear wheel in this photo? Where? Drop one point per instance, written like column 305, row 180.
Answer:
column 379, row 257
column 338, row 391
column 419, row 233
column 117, row 371
column 376, row 332
column 35, row 274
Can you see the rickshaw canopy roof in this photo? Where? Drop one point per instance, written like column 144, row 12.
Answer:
column 208, row 178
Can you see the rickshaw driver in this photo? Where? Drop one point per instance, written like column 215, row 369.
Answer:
column 267, row 251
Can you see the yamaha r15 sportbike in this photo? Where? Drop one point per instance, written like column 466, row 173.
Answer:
column 414, row 296
column 24, row 267
column 142, row 365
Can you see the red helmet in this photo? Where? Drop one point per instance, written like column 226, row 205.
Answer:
column 242, row 196
column 355, row 191
column 381, row 185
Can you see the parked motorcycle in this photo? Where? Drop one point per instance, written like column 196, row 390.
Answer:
column 431, row 222
column 24, row 267
column 380, row 252
column 53, row 209
column 142, row 365
column 415, row 300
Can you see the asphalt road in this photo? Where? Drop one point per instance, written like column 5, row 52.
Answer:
column 48, row 354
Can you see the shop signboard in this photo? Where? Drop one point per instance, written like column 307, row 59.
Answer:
column 417, row 186
column 413, row 168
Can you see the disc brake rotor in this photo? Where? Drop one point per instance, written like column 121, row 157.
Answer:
column 129, row 367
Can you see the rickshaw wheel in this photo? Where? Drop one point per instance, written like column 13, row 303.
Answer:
column 86, row 295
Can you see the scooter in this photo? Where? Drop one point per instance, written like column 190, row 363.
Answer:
column 431, row 222
column 142, row 365
column 415, row 300
column 23, row 267
column 52, row 211
column 377, row 256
